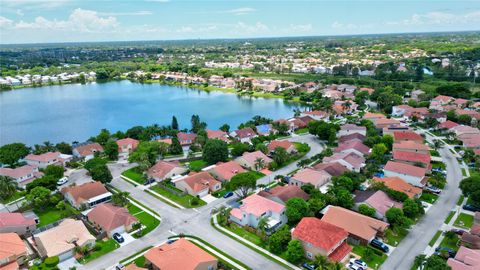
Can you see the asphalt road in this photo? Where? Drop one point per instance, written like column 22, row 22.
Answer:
column 421, row 233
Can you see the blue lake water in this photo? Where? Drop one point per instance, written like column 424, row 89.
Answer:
column 75, row 112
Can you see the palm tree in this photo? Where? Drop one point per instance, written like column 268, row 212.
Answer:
column 259, row 163
column 262, row 227
column 437, row 144
column 321, row 262
column 8, row 187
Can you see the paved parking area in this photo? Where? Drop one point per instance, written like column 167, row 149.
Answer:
column 209, row 198
column 69, row 264
column 128, row 239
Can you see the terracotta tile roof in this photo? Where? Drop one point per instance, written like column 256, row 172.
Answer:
column 386, row 122
column 181, row 254
column 128, row 141
column 257, row 205
column 354, row 223
column 410, row 145
column 407, row 135
column 398, row 184
column 381, row 202
column 284, row 193
column 340, row 253
column 319, row 233
column 11, row 266
column 448, row 124
column 353, row 127
column 412, row 157
column 305, row 119
column 216, row 134
column 311, row 176
column 45, row 157
column 357, row 145
column 89, row 149
column 465, row 259
column 283, row 144
column 85, row 191
column 334, row 168
column 443, row 98
column 316, row 113
column 200, row 181
column 228, row 169
column 15, row 219
column 109, row 216
column 351, row 137
column 186, row 138
column 405, row 169
column 20, row 171
column 353, row 159
column 162, row 168
column 11, row 245
column 133, row 267
column 167, row 140
column 370, row 115
column 251, row 157
column 297, row 123
column 245, row 133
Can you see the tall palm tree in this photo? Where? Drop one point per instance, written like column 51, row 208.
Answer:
column 8, row 186
column 259, row 163
column 321, row 262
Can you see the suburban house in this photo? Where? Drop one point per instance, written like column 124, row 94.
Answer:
column 186, row 139
column 13, row 251
column 354, row 146
column 87, row 151
column 447, row 125
column 465, row 259
column 127, row 145
column 462, row 130
column 352, row 137
column 361, row 229
column 61, row 240
column 86, row 195
column 334, row 168
column 373, row 116
column 254, row 160
column 407, row 136
column 288, row 146
column 391, row 129
column 398, row 184
column 111, row 219
column 218, row 134
column 16, row 223
column 412, row 174
column 197, row 184
column 322, row 238
column 417, row 94
column 181, row 254
column 225, row 171
column 411, row 146
column 244, row 135
column 282, row 194
column 255, row 207
column 349, row 129
column 310, row 176
column 386, row 122
column 412, row 158
column 23, row 175
column 379, row 201
column 265, row 129
column 351, row 161
column 49, row 158
column 317, row 115
column 165, row 169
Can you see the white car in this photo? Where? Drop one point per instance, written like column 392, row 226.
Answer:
column 354, row 267
column 62, row 181
column 358, row 262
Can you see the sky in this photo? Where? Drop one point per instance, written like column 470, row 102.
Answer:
column 47, row 21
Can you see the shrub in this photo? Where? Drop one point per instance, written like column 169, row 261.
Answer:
column 52, row 261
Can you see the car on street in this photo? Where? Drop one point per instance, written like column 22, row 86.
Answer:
column 379, row 245
column 308, row 266
column 358, row 262
column 62, row 181
column 471, row 207
column 170, row 241
column 118, row 238
column 228, row 194
column 433, row 189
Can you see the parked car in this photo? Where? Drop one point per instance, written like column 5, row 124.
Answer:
column 149, row 181
column 355, row 267
column 308, row 266
column 471, row 207
column 228, row 194
column 119, row 266
column 433, row 189
column 358, row 262
column 62, row 181
column 118, row 238
column 379, row 245
column 451, row 253
column 458, row 231
column 169, row 241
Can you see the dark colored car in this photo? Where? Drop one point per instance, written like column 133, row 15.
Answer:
column 379, row 245
column 118, row 238
column 308, row 266
column 458, row 231
column 451, row 253
column 228, row 194
column 149, row 181
column 471, row 207
column 169, row 241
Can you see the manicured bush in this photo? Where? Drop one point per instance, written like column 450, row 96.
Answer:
column 52, row 261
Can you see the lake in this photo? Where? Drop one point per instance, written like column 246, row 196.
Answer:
column 75, row 112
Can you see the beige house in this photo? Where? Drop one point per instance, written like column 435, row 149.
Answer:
column 13, row 251
column 253, row 160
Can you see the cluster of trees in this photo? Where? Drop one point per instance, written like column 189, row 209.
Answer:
column 98, row 170
column 324, row 130
column 470, row 187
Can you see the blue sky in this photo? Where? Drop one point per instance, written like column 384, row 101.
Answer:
column 38, row 21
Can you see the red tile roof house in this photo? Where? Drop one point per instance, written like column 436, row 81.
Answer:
column 16, row 223
column 407, row 136
column 111, row 219
column 398, row 184
column 400, row 110
column 23, row 175
column 462, row 130
column 380, row 202
column 413, row 147
column 218, row 134
column 361, row 229
column 244, row 135
column 390, row 129
column 412, row 158
column 296, row 123
column 13, row 251
column 198, row 184
column 86, row 195
column 373, row 116
column 471, row 141
column 127, row 145
column 50, row 158
column 352, row 137
column 321, row 238
column 353, row 146
column 351, row 161
column 310, row 176
column 186, row 139
column 87, row 151
column 282, row 194
column 385, row 122
column 317, row 115
column 412, row 174
column 465, row 259
column 288, row 146
column 334, row 168
column 447, row 125
column 165, row 169
column 181, row 254
column 255, row 207
column 225, row 171
column 250, row 160
column 444, row 99
column 348, row 129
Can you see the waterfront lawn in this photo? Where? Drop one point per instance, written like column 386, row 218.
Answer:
column 52, row 214
column 136, row 175
column 464, row 220
column 373, row 257
column 449, row 217
column 393, row 237
column 101, row 248
column 434, row 239
column 185, row 201
column 197, row 165
column 145, row 218
column 429, row 197
column 450, row 242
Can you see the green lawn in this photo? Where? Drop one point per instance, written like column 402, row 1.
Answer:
column 450, row 243
column 184, row 201
column 249, row 236
column 301, row 147
column 464, row 172
column 52, row 214
column 135, row 254
column 140, row 261
column 460, row 200
column 374, row 258
column 17, row 195
column 434, row 153
column 101, row 248
column 438, row 165
column 301, row 131
column 197, row 165
column 434, row 239
column 429, row 197
column 449, row 217
column 145, row 218
column 464, row 220
column 393, row 238
column 135, row 175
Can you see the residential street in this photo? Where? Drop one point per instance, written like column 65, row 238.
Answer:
column 421, row 233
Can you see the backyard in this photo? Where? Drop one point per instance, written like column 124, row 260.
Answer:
column 52, row 214
column 429, row 197
column 197, row 165
column 101, row 248
column 393, row 237
column 187, row 201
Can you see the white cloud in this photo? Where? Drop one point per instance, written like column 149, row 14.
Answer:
column 34, row 4
column 19, row 12
column 240, row 11
column 133, row 13
column 5, row 23
column 439, row 18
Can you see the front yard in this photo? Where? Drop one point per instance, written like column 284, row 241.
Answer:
column 464, row 220
column 101, row 248
column 249, row 236
column 145, row 218
column 187, row 201
column 373, row 257
column 393, row 237
column 136, row 175
column 450, row 242
column 52, row 214
column 429, row 197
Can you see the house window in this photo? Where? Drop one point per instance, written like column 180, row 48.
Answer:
column 309, row 255
column 210, row 267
